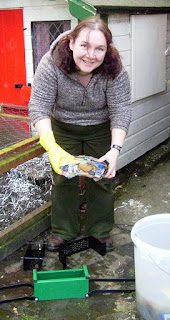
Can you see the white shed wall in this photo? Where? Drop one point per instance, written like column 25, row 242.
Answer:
column 119, row 24
column 148, row 55
column 150, row 116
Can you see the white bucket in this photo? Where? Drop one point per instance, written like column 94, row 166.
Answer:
column 151, row 238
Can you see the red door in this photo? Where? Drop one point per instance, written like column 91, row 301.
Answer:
column 12, row 57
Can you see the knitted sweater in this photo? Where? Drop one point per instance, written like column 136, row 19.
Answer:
column 62, row 96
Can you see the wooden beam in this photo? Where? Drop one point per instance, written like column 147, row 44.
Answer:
column 14, row 116
column 18, row 146
column 26, row 229
column 20, row 157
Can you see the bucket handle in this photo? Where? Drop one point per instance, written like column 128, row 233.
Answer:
column 162, row 269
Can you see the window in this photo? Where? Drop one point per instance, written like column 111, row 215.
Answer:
column 43, row 34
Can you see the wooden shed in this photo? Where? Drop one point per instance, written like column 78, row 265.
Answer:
column 141, row 32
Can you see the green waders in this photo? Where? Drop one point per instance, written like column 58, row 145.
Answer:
column 92, row 141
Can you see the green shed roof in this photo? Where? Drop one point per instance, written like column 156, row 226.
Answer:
column 130, row 3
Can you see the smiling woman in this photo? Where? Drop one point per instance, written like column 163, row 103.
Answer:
column 91, row 36
column 80, row 105
column 89, row 50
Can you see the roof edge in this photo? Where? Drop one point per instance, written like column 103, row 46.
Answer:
column 149, row 10
column 130, row 3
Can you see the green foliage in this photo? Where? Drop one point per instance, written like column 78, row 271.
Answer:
column 25, row 317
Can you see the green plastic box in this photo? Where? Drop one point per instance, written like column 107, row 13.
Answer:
column 61, row 284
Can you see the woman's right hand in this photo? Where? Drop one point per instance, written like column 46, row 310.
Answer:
column 58, row 157
column 111, row 157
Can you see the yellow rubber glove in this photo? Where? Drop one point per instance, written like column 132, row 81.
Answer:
column 58, row 156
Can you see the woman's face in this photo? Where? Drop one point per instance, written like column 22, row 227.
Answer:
column 89, row 50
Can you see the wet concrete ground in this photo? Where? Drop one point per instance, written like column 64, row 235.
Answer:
column 139, row 193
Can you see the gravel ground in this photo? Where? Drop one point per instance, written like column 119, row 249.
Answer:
column 23, row 189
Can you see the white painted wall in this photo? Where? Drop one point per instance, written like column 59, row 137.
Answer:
column 119, row 24
column 150, row 116
column 149, row 34
column 168, row 54
column 52, row 12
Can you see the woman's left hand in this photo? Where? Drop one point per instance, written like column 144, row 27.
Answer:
column 111, row 157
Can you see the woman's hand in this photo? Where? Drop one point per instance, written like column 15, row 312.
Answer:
column 57, row 156
column 111, row 157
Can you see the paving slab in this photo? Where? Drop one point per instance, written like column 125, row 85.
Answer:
column 137, row 196
column 144, row 195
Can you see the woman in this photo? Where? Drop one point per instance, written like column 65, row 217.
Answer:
column 80, row 104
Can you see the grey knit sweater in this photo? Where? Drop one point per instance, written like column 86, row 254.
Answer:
column 58, row 94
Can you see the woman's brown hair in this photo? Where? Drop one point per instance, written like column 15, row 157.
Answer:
column 111, row 65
